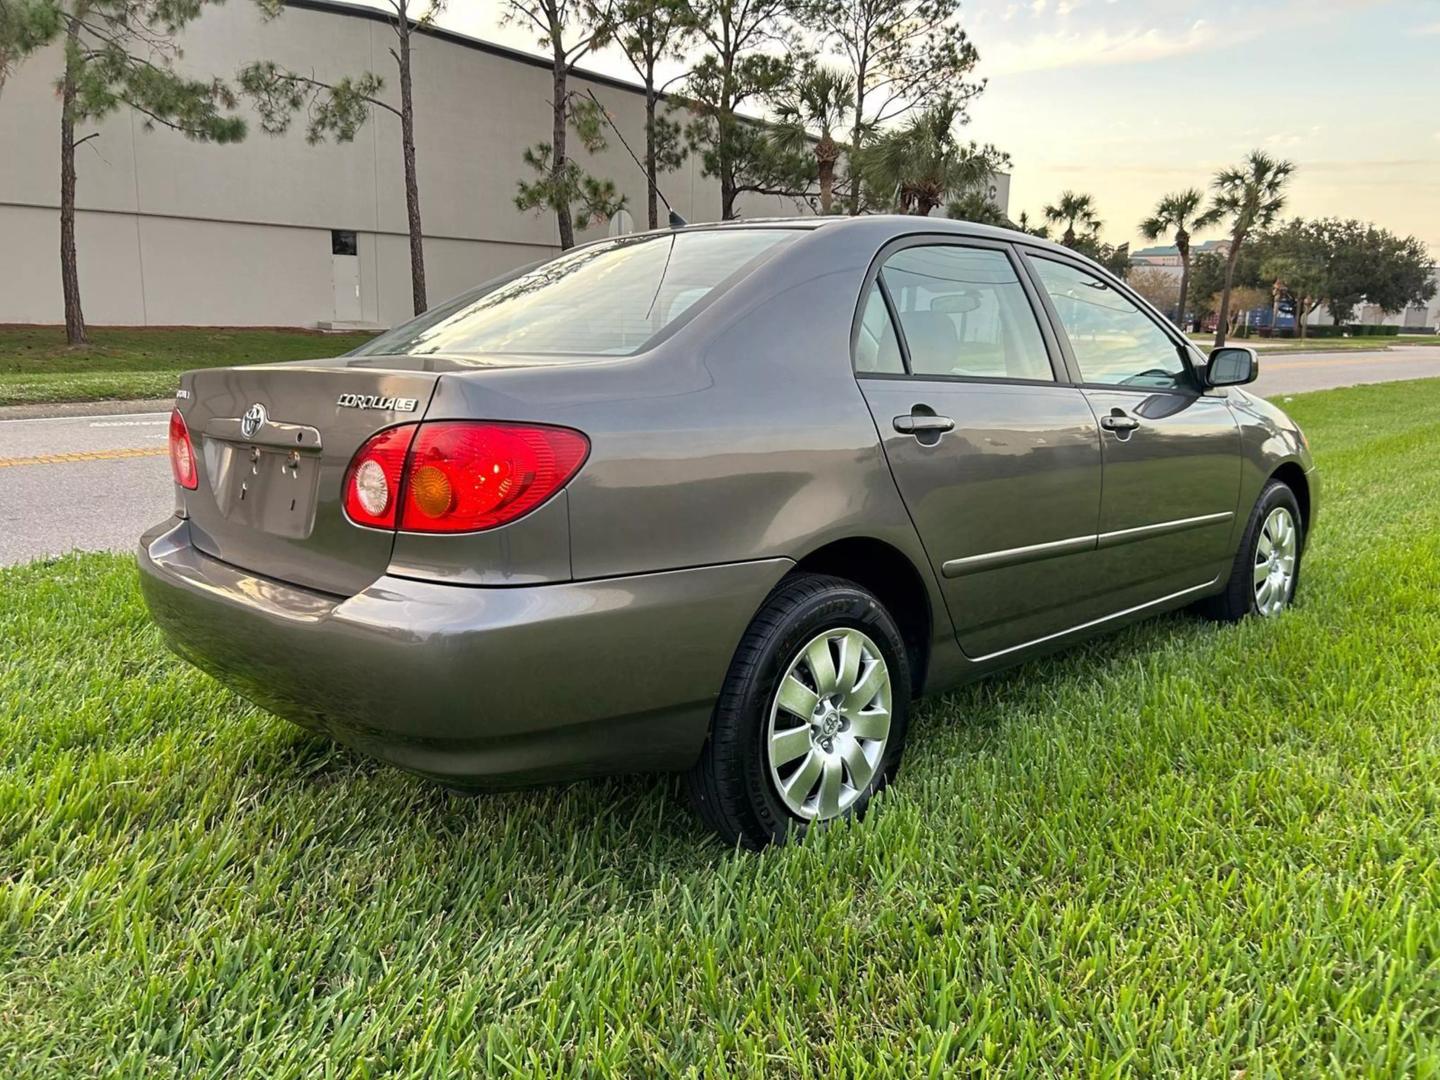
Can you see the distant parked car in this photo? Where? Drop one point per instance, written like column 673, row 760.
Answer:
column 722, row 500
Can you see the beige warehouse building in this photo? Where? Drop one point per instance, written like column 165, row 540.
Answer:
column 275, row 232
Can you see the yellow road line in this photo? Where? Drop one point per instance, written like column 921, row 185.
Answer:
column 85, row 455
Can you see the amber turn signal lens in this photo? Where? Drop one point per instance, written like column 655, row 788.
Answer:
column 431, row 490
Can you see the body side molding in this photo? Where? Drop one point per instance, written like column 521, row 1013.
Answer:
column 993, row 560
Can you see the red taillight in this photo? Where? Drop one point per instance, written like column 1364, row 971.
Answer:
column 182, row 453
column 468, row 476
column 372, row 482
column 459, row 476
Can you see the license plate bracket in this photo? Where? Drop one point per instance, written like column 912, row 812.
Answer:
column 269, row 490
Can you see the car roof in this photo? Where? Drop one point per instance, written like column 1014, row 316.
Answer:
column 899, row 225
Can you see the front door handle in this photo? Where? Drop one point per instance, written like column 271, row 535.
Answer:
column 920, row 423
column 1118, row 421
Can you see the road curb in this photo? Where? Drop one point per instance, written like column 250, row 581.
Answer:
column 52, row 410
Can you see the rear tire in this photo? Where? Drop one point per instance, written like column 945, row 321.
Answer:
column 1269, row 554
column 811, row 718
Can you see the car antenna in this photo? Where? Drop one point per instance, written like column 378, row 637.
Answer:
column 676, row 221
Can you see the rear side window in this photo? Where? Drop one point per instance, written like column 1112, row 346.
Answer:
column 877, row 349
column 963, row 312
column 607, row 299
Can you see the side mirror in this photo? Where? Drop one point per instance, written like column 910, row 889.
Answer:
column 1232, row 365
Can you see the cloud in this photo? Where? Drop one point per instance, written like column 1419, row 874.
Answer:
column 1105, row 35
column 1432, row 28
column 1374, row 169
column 1098, row 46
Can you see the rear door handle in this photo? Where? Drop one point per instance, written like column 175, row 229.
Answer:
column 1118, row 421
column 919, row 423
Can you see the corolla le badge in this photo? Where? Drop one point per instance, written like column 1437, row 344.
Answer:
column 253, row 420
column 377, row 401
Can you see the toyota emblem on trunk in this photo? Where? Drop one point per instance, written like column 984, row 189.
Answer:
column 253, row 420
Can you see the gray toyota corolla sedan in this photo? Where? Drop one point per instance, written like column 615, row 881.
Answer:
column 721, row 500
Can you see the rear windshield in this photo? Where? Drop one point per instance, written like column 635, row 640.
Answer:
column 607, row 299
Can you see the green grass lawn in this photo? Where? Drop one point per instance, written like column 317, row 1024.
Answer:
column 1185, row 850
column 36, row 366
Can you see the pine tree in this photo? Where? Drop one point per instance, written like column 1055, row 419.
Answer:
column 25, row 25
column 569, row 31
column 123, row 53
column 648, row 32
column 339, row 110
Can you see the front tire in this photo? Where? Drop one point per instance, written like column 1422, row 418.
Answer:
column 811, row 718
column 1266, row 570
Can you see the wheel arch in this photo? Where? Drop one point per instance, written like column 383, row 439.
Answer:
column 1293, row 476
column 886, row 571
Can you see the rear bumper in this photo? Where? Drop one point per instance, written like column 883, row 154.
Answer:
column 483, row 686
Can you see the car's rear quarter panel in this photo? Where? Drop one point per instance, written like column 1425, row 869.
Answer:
column 744, row 436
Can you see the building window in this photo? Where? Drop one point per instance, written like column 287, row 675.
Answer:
column 342, row 242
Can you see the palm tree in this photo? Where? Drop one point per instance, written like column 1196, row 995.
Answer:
column 1073, row 210
column 1022, row 224
column 976, row 206
column 820, row 98
column 1251, row 197
column 1180, row 211
column 915, row 168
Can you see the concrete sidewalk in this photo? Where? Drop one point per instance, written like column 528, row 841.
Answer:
column 46, row 410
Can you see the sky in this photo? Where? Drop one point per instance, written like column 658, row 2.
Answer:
column 1129, row 99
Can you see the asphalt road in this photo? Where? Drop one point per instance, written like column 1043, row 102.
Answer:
column 98, row 482
column 88, row 482
column 1295, row 373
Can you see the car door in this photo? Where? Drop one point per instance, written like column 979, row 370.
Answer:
column 996, row 456
column 1171, row 448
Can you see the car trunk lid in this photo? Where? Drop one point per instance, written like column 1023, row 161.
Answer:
column 273, row 443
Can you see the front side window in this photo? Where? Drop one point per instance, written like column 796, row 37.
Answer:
column 606, row 299
column 963, row 312
column 1115, row 343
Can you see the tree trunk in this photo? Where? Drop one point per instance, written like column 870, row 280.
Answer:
column 1068, row 240
column 652, row 203
column 1182, row 245
column 726, row 168
column 826, row 155
column 412, row 183
column 1223, row 319
column 69, row 262
column 559, row 90
column 1184, row 292
column 727, row 199
column 855, row 135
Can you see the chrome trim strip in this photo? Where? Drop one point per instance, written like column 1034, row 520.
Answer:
column 993, row 560
column 1161, row 528
column 1096, row 622
column 273, row 434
